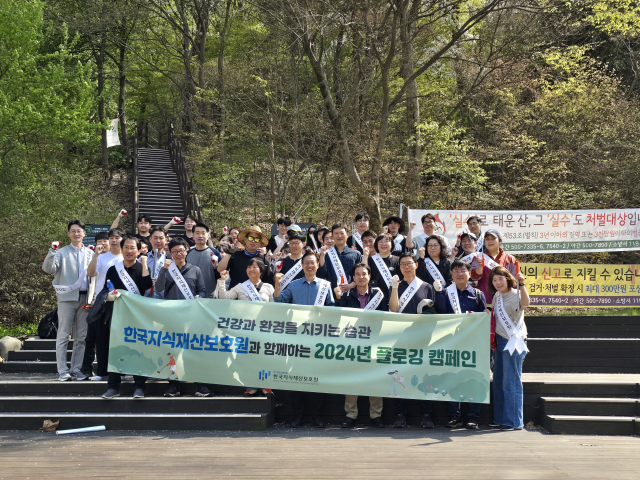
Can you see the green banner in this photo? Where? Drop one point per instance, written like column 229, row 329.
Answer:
column 306, row 348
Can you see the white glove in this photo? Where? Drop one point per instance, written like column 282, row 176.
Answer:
column 112, row 296
column 55, row 245
column 122, row 213
column 395, row 280
column 437, row 285
column 175, row 221
column 424, row 303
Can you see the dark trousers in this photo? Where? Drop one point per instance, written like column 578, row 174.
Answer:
column 115, row 379
column 472, row 412
column 177, row 383
column 89, row 349
column 400, row 406
column 103, row 332
column 315, row 401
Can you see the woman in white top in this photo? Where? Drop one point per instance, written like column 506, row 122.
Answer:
column 251, row 290
column 245, row 291
column 511, row 335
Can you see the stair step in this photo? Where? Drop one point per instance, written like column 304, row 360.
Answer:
column 97, row 404
column 35, row 356
column 42, row 344
column 33, row 367
column 139, row 421
column 590, row 425
column 590, row 406
column 53, row 387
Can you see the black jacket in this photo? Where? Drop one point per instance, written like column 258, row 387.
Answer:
column 350, row 299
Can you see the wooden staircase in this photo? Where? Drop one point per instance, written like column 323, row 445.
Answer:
column 162, row 187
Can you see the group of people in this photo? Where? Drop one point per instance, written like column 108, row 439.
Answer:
column 327, row 267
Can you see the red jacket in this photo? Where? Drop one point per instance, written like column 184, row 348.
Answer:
column 502, row 259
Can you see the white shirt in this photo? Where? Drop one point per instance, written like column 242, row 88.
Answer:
column 80, row 254
column 105, row 261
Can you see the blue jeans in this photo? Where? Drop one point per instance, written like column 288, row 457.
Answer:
column 507, row 386
column 472, row 412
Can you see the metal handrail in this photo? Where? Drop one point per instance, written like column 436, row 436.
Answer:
column 136, row 200
column 188, row 194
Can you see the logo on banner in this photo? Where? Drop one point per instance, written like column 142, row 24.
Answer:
column 263, row 375
column 439, row 228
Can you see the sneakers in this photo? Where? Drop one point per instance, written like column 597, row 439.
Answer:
column 111, row 393
column 65, row 377
column 426, row 421
column 250, row 392
column 494, row 425
column 472, row 423
column 296, row 422
column 138, row 393
column 318, row 422
column 377, row 422
column 349, row 423
column 507, row 428
column 454, row 422
column 267, row 392
column 79, row 376
column 204, row 392
column 98, row 378
column 172, row 392
column 401, row 421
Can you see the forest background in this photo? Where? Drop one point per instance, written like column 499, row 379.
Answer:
column 342, row 106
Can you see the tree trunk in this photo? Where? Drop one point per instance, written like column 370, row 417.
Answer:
column 121, row 102
column 272, row 158
column 101, row 114
column 414, row 149
column 371, row 204
column 223, row 113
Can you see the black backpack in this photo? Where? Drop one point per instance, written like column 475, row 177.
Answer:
column 48, row 327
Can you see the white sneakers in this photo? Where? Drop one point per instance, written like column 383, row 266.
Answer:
column 65, row 377
column 97, row 378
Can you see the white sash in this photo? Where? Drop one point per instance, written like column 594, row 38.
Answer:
column 322, row 293
column 433, row 270
column 62, row 289
column 409, row 293
column 452, row 293
column 337, row 265
column 469, row 258
column 315, row 245
column 480, row 243
column 383, row 269
column 181, row 283
column 516, row 333
column 397, row 242
column 159, row 263
column 251, row 291
column 489, row 262
column 126, row 279
column 358, row 238
column 375, row 301
column 290, row 275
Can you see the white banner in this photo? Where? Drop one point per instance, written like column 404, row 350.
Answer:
column 112, row 134
column 545, row 231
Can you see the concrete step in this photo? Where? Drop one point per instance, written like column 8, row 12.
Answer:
column 139, row 421
column 625, row 407
column 30, row 367
column 35, row 356
column 127, row 404
column 590, row 425
column 53, row 387
column 42, row 344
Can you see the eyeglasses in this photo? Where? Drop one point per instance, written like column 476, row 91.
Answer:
column 178, row 252
column 254, row 239
column 434, row 246
column 407, row 265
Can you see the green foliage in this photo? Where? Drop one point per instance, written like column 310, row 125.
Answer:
column 43, row 96
column 18, row 331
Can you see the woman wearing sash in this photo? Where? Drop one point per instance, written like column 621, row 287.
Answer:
column 383, row 265
column 253, row 290
column 133, row 276
column 509, row 303
column 316, row 241
column 435, row 265
column 485, row 262
column 412, row 296
column 362, row 225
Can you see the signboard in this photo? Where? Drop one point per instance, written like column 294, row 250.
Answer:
column 92, row 229
column 567, row 285
column 546, row 231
